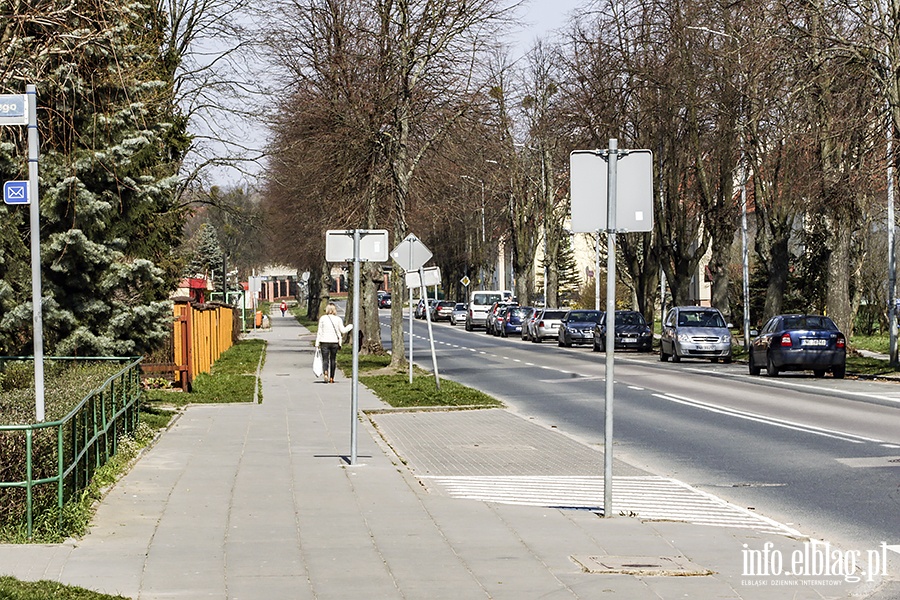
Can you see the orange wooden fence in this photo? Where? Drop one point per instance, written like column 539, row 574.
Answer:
column 200, row 334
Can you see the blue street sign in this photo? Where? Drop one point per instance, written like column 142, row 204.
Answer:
column 15, row 192
column 13, row 109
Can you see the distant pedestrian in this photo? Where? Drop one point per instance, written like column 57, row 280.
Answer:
column 283, row 307
column 328, row 337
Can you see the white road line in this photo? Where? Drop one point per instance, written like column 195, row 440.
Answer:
column 650, row 498
column 804, row 386
column 732, row 412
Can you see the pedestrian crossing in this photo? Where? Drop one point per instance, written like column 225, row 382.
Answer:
column 649, row 498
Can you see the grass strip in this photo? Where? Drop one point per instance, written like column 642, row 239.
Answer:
column 232, row 379
column 13, row 589
column 395, row 389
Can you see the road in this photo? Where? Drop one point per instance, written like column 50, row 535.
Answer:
column 820, row 455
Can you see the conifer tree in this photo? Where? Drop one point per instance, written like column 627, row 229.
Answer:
column 112, row 141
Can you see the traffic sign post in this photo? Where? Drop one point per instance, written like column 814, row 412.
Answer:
column 356, row 246
column 614, row 194
column 411, row 255
column 21, row 109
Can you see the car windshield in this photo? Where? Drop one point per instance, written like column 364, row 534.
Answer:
column 583, row 316
column 460, row 306
column 700, row 318
column 485, row 298
column 809, row 322
column 520, row 312
column 445, row 304
column 629, row 318
column 553, row 314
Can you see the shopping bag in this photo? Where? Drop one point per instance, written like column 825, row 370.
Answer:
column 317, row 363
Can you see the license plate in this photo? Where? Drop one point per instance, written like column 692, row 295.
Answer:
column 813, row 342
column 705, row 348
column 628, row 340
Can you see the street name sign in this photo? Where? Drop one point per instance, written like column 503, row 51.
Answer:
column 13, row 109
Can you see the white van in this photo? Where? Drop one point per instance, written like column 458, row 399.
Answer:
column 480, row 302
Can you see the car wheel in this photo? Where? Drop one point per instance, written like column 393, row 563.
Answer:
column 771, row 369
column 537, row 339
column 727, row 360
column 754, row 369
column 663, row 357
column 468, row 326
column 595, row 346
column 839, row 371
column 714, row 360
column 675, row 357
column 818, row 373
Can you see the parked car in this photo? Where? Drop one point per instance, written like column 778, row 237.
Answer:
column 632, row 332
column 490, row 319
column 799, row 343
column 527, row 322
column 546, row 324
column 577, row 327
column 513, row 318
column 695, row 332
column 384, row 300
column 422, row 306
column 480, row 303
column 459, row 314
column 442, row 310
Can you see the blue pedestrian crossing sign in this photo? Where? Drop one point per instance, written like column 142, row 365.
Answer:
column 15, row 192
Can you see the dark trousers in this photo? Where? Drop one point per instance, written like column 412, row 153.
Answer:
column 329, row 357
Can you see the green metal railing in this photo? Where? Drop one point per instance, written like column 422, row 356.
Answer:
column 86, row 437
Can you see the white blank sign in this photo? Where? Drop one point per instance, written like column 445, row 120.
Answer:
column 373, row 245
column 589, row 175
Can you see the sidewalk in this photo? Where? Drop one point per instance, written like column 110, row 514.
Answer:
column 258, row 501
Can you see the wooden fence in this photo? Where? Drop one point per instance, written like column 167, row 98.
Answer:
column 200, row 334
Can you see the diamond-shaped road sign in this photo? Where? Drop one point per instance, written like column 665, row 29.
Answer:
column 411, row 253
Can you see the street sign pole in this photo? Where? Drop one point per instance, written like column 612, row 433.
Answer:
column 354, row 390
column 35, row 216
column 437, row 379
column 610, row 325
column 411, row 311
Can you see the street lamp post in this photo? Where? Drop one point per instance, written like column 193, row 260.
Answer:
column 745, row 259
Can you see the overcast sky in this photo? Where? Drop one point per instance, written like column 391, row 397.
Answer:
column 541, row 18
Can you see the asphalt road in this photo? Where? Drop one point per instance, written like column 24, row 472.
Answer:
column 820, row 455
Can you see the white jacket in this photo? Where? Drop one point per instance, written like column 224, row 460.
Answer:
column 331, row 330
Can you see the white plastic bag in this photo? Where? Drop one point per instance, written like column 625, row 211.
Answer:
column 318, row 370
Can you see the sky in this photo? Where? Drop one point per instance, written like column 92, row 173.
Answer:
column 540, row 19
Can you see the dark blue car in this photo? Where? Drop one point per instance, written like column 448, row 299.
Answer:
column 514, row 319
column 799, row 343
column 632, row 332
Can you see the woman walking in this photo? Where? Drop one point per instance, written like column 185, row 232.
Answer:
column 328, row 337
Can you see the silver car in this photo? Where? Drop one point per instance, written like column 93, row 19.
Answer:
column 459, row 313
column 546, row 324
column 695, row 332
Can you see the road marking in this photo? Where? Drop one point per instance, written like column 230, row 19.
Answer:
column 733, row 412
column 774, row 380
column 649, row 498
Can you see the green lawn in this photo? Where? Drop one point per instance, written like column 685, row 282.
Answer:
column 13, row 589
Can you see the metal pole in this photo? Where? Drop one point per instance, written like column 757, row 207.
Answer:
column 437, row 378
column 597, row 272
column 411, row 311
column 354, row 394
column 610, row 326
column 35, row 216
column 745, row 259
column 892, row 266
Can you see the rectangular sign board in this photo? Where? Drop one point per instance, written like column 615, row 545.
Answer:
column 13, row 109
column 15, row 192
column 373, row 245
column 430, row 276
column 589, row 175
